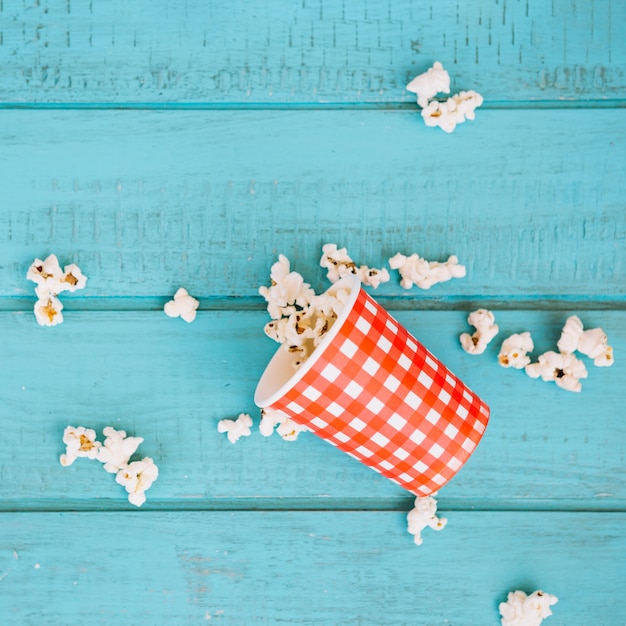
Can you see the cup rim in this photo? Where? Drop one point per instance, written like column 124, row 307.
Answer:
column 299, row 374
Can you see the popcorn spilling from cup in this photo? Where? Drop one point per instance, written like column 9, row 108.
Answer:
column 424, row 515
column 115, row 453
column 443, row 113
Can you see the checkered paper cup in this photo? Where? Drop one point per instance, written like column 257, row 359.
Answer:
column 372, row 390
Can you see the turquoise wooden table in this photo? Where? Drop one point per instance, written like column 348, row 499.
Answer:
column 161, row 145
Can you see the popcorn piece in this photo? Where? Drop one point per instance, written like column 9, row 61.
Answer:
column 137, row 477
column 73, row 279
column 236, row 428
column 79, row 442
column 48, row 311
column 423, row 515
column 523, row 610
column 288, row 291
column 340, row 265
column 117, row 449
column 287, row 429
column 425, row 274
column 564, row 369
column 50, row 282
column 486, row 329
column 514, row 349
column 453, row 111
column 182, row 305
column 591, row 343
column 430, row 83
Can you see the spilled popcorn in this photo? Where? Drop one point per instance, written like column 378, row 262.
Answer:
column 79, row 442
column 136, row 476
column 236, row 428
column 416, row 270
column 287, row 429
column 591, row 343
column 486, row 329
column 340, row 265
column 564, row 369
column 514, row 350
column 422, row 515
column 117, row 449
column 51, row 281
column 446, row 113
column 523, row 610
column 183, row 305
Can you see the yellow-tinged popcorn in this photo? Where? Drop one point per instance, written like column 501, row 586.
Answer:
column 523, row 610
column 514, row 350
column 424, row 515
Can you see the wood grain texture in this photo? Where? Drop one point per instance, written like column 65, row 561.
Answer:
column 532, row 202
column 170, row 383
column 308, row 52
column 306, row 568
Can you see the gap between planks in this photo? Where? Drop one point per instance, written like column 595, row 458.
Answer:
column 495, row 105
column 11, row 304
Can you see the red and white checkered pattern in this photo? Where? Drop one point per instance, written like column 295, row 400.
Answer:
column 376, row 393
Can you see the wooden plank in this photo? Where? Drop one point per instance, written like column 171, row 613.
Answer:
column 170, row 383
column 147, row 201
column 308, row 52
column 306, row 568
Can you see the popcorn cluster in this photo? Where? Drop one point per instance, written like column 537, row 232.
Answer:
column 183, row 305
column 416, row 270
column 424, row 515
column 562, row 367
column 51, row 281
column 340, row 265
column 300, row 318
column 447, row 113
column 136, row 476
column 523, row 610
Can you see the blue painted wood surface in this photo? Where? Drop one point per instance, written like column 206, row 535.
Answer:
column 163, row 144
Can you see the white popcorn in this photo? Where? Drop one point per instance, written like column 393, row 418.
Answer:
column 523, row 610
column 51, row 281
column 117, row 449
column 591, row 343
column 182, row 305
column 340, row 265
column 287, row 429
column 425, row 274
column 236, row 428
column 288, row 292
column 564, row 369
column 79, row 442
column 48, row 311
column 137, row 477
column 486, row 329
column 514, row 349
column 455, row 110
column 422, row 515
column 429, row 84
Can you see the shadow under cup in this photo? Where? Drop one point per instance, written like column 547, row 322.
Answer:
column 372, row 390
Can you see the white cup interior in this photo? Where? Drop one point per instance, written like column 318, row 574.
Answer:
column 279, row 375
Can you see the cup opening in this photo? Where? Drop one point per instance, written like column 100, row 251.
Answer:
column 279, row 375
